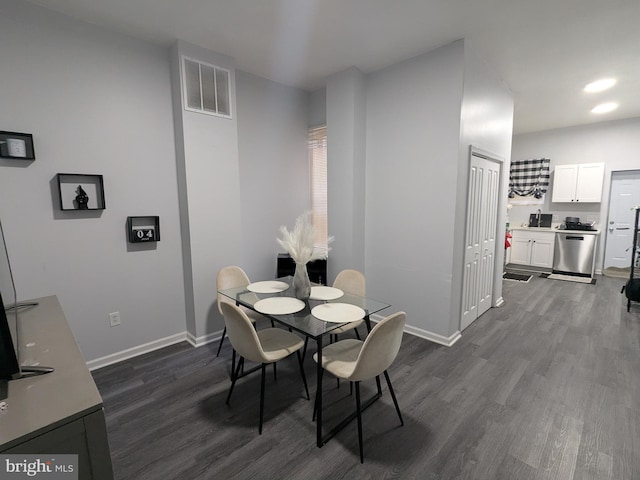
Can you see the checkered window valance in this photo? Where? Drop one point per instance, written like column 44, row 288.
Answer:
column 529, row 177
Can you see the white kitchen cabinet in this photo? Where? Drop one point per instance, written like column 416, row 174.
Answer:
column 581, row 182
column 532, row 248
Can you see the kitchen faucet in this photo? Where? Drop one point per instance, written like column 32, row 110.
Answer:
column 538, row 217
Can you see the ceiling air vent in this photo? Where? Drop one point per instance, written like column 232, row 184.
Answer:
column 206, row 88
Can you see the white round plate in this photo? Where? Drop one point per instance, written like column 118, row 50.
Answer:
column 279, row 305
column 268, row 286
column 338, row 312
column 325, row 293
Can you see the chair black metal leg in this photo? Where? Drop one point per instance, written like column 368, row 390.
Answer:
column 319, row 373
column 350, row 388
column 393, row 396
column 275, row 377
column 337, row 382
column 234, row 377
column 315, row 408
column 304, row 350
column 224, row 333
column 304, row 377
column 233, row 361
column 264, row 365
column 357, row 333
column 359, row 415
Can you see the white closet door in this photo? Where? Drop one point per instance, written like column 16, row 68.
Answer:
column 472, row 246
column 480, row 238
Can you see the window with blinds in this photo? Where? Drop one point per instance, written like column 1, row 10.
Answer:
column 318, row 167
column 206, row 88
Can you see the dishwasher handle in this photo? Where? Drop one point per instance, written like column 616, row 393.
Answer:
column 573, row 237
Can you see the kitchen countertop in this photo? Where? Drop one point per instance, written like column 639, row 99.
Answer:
column 554, row 229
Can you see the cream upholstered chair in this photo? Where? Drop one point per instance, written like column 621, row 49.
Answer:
column 261, row 346
column 353, row 282
column 355, row 360
column 232, row 277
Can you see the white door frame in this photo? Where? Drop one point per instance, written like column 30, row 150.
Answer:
column 617, row 175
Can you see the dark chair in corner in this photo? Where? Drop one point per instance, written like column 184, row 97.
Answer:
column 355, row 360
column 261, row 346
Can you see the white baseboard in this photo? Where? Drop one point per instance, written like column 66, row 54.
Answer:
column 200, row 341
column 433, row 337
column 135, row 351
column 151, row 346
column 212, row 337
column 426, row 334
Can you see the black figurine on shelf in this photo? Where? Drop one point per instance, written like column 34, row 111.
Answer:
column 82, row 198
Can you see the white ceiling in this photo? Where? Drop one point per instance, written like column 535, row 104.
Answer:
column 545, row 50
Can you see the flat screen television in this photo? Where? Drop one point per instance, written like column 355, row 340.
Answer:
column 10, row 368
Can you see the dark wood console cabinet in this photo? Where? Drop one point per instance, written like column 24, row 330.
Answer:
column 317, row 270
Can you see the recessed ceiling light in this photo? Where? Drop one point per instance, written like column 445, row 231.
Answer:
column 600, row 85
column 604, row 107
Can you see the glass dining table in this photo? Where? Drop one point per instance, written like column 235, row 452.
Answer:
column 311, row 327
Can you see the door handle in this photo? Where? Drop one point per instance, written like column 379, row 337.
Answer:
column 623, row 228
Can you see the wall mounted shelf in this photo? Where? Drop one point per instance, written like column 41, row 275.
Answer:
column 71, row 186
column 18, row 146
column 143, row 229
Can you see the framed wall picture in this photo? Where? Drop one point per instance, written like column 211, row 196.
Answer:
column 16, row 145
column 80, row 191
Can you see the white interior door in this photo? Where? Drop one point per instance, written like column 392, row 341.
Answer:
column 480, row 237
column 625, row 194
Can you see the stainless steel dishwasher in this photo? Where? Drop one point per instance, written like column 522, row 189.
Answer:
column 575, row 253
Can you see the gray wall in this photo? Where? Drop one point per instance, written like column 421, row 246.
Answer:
column 422, row 115
column 210, row 197
column 615, row 143
column 413, row 136
column 98, row 102
column 274, row 167
column 317, row 108
column 346, row 172
column 95, row 103
column 487, row 123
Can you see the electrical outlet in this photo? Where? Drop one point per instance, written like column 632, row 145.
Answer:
column 114, row 319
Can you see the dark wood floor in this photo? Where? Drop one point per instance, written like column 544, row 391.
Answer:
column 545, row 387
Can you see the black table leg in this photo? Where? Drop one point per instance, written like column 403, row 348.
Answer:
column 367, row 322
column 319, row 371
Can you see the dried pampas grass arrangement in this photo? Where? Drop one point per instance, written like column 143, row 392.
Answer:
column 299, row 242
